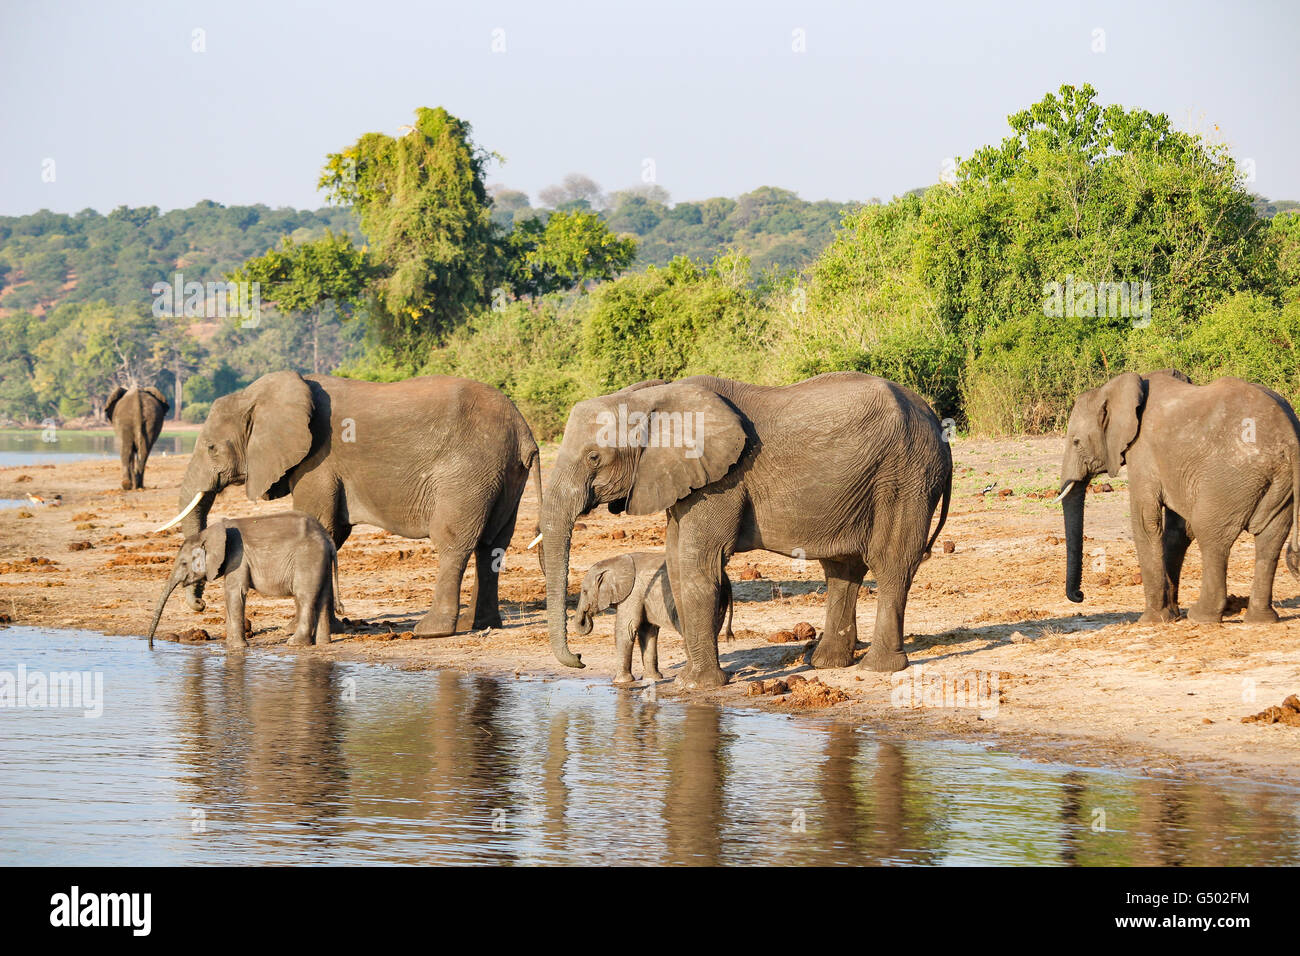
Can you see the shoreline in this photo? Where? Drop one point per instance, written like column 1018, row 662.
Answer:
column 1075, row 684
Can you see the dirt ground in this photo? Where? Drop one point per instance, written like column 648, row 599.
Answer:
column 1076, row 683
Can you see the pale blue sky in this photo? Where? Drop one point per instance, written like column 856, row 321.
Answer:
column 711, row 92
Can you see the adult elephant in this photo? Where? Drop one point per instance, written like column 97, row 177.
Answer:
column 1204, row 463
column 137, row 415
column 436, row 457
column 844, row 468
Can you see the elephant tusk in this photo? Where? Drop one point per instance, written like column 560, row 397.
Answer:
column 188, row 508
column 532, row 544
column 1064, row 491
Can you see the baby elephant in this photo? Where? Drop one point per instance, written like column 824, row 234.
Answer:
column 638, row 584
column 280, row 555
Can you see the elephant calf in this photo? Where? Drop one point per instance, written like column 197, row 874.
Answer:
column 280, row 555
column 638, row 584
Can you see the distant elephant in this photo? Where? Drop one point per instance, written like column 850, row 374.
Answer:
column 137, row 415
column 287, row 554
column 1204, row 463
column 636, row 584
column 843, row 468
column 434, row 457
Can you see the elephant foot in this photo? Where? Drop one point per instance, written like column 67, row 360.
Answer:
column 236, row 645
column 1161, row 615
column 435, row 625
column 653, row 674
column 1262, row 615
column 625, row 678
column 884, row 661
column 826, row 655
column 340, row 625
column 299, row 640
column 703, row 678
column 126, row 484
column 488, row 622
column 1199, row 615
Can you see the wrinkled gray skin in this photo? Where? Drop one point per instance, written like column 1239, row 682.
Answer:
column 1194, row 473
column 137, row 415
column 636, row 584
column 287, row 554
column 843, row 468
column 433, row 457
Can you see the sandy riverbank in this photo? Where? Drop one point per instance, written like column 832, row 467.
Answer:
column 1081, row 683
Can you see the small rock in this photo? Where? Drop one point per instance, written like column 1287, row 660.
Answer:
column 79, row 545
column 617, row 534
column 1053, row 539
column 1136, row 578
column 949, row 547
column 750, row 573
column 1018, row 638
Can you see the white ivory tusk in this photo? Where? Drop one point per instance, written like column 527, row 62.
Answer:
column 1063, row 493
column 188, row 508
column 532, row 544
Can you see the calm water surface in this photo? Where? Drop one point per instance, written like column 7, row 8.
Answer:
column 203, row 758
column 35, row 448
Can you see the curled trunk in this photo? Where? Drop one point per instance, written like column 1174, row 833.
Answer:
column 1073, row 507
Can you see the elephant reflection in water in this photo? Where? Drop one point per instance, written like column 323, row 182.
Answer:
column 271, row 750
column 693, row 806
column 879, row 820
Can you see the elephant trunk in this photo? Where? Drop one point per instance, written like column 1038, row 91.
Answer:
column 585, row 620
column 195, row 483
column 560, row 511
column 1073, row 507
column 162, row 603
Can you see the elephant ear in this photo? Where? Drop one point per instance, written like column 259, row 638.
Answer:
column 279, row 430
column 212, row 543
column 156, row 393
column 689, row 437
column 114, row 397
column 1120, row 412
column 614, row 581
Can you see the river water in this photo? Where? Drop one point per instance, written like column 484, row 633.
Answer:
column 50, row 446
column 197, row 757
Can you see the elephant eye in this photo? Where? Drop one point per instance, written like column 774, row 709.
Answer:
column 1076, row 441
column 594, row 457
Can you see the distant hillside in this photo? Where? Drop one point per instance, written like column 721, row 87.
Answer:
column 47, row 258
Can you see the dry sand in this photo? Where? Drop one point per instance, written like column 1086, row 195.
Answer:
column 1076, row 683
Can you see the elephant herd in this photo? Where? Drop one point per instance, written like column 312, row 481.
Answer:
column 845, row 468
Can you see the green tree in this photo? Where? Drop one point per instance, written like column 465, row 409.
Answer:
column 569, row 249
column 426, row 214
column 302, row 278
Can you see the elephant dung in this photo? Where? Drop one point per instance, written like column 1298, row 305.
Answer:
column 949, row 547
column 195, row 635
column 782, row 637
column 79, row 545
column 1288, row 714
column 803, row 631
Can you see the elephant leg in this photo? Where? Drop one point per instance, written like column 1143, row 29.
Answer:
column 695, row 562
column 137, row 467
column 648, row 637
column 1268, row 548
column 1209, row 606
column 489, row 557
column 843, row 580
column 236, row 596
column 1177, row 540
column 338, row 532
column 1150, row 537
column 455, row 530
column 128, row 463
column 626, row 628
column 894, row 552
column 304, row 620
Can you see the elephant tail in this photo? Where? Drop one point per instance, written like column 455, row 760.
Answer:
column 943, row 516
column 1293, row 547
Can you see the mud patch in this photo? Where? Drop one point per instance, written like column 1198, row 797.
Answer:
column 1288, row 713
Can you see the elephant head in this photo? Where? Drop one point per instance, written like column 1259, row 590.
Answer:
column 605, row 585
column 1103, row 424
column 639, row 450
column 202, row 557
column 253, row 437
